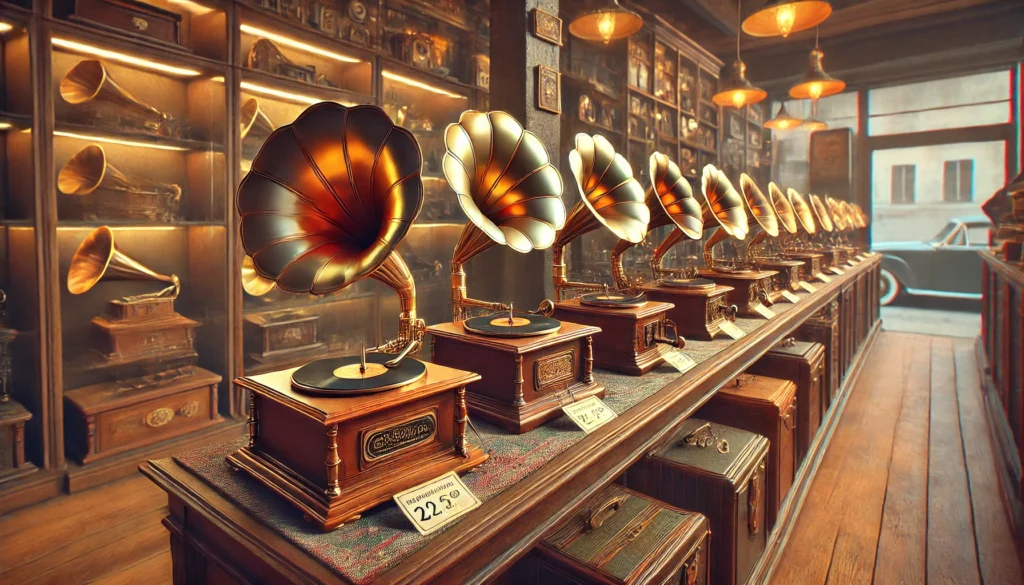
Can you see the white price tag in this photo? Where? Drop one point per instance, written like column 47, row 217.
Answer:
column 764, row 311
column 731, row 330
column 808, row 286
column 836, row 270
column 679, row 361
column 431, row 505
column 789, row 296
column 589, row 413
column 820, row 276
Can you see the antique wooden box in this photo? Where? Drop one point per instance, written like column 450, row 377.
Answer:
column 802, row 362
column 137, row 18
column 811, row 264
column 718, row 471
column 282, row 334
column 627, row 341
column 621, row 537
column 111, row 417
column 524, row 381
column 333, row 458
column 768, row 407
column 698, row 314
column 13, row 417
column 787, row 276
column 823, row 328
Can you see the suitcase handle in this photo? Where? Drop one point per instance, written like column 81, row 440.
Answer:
column 754, row 501
column 605, row 511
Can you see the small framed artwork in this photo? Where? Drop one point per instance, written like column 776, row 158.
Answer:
column 549, row 89
column 736, row 126
column 547, row 27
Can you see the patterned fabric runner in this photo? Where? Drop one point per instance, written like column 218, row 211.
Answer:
column 363, row 549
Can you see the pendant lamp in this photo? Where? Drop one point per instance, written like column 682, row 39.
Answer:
column 816, row 83
column 782, row 120
column 813, row 124
column 782, row 17
column 738, row 91
column 608, row 23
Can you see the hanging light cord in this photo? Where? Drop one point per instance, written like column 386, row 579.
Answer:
column 739, row 23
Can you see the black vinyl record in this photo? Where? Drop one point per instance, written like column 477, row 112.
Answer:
column 689, row 283
column 319, row 377
column 527, row 325
column 613, row 300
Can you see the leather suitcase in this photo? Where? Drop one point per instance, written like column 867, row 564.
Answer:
column 802, row 362
column 621, row 537
column 768, row 407
column 718, row 471
column 823, row 328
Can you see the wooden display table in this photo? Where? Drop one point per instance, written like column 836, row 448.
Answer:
column 227, row 529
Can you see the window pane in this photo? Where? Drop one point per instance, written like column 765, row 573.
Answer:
column 977, row 236
column 949, row 181
column 966, row 180
column 972, row 100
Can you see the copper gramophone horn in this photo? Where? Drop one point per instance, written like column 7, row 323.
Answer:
column 722, row 206
column 98, row 258
column 255, row 124
column 252, row 282
column 609, row 197
column 89, row 81
column 760, row 212
column 804, row 215
column 821, row 214
column 326, row 202
column 508, row 189
column 783, row 209
column 89, row 171
column 838, row 219
column 671, row 201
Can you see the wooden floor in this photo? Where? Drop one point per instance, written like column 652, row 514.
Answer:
column 906, row 493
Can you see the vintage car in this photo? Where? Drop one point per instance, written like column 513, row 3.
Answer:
column 948, row 265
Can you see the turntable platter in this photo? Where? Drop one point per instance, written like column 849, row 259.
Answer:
column 614, row 299
column 343, row 376
column 497, row 325
column 689, row 283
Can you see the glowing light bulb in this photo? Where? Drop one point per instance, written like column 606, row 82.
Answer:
column 785, row 16
column 815, row 90
column 606, row 26
column 738, row 99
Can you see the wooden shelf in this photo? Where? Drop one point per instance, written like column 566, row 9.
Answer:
column 599, row 126
column 86, row 132
column 310, row 91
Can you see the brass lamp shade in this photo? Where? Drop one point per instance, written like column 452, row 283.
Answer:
column 760, row 210
column 816, row 83
column 782, row 120
column 605, row 24
column 782, row 17
column 813, row 124
column 738, row 91
column 804, row 215
column 671, row 199
column 783, row 208
column 821, row 214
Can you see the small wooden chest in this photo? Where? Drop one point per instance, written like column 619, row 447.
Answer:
column 135, row 18
column 766, row 406
column 621, row 537
column 13, row 417
column 823, row 327
column 718, row 471
column 802, row 362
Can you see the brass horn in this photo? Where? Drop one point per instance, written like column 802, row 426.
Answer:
column 609, row 196
column 670, row 201
column 89, row 172
column 836, row 212
column 328, row 199
column 804, row 215
column 98, row 258
column 265, row 56
column 255, row 124
column 760, row 212
column 507, row 187
column 821, row 214
column 89, row 82
column 252, row 282
column 723, row 204
column 783, row 209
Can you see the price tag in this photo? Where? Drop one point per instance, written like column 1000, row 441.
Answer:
column 679, row 361
column 790, row 296
column 763, row 311
column 836, row 270
column 823, row 278
column 808, row 286
column 589, row 413
column 732, row 330
column 431, row 505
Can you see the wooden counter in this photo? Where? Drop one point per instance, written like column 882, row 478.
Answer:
column 215, row 540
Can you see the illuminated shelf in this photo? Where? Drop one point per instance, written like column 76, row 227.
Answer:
column 18, row 223
column 64, row 30
column 14, row 122
column 389, row 62
column 605, row 92
column 601, row 127
column 128, row 138
column 133, row 224
column 283, row 25
column 293, row 301
column 264, row 84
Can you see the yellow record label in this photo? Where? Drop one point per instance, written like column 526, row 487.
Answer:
column 351, row 371
column 506, row 322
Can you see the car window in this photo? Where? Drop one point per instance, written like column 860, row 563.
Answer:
column 959, row 238
column 977, row 235
column 943, row 235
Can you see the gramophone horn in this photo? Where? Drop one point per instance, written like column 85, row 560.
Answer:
column 255, row 124
column 821, row 214
column 609, row 196
column 252, row 282
column 89, row 171
column 838, row 219
column 326, row 202
column 671, row 202
column 760, row 211
column 89, row 81
column 724, row 205
column 783, row 209
column 804, row 215
column 98, row 258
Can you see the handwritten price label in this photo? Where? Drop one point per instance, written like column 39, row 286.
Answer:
column 679, row 361
column 764, row 311
column 789, row 296
column 808, row 286
column 589, row 414
column 431, row 505
column 823, row 278
column 731, row 330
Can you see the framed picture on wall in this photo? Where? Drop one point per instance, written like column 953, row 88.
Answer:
column 832, row 159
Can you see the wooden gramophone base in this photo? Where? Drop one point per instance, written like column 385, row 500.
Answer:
column 787, row 277
column 698, row 314
column 749, row 289
column 627, row 341
column 524, row 381
column 834, row 257
column 334, row 458
column 811, row 264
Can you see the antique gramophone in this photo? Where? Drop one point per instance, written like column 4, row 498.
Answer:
column 634, row 330
column 850, row 221
column 327, row 201
column 255, row 126
column 107, row 193
column 861, row 222
column 750, row 284
column 89, row 85
column 512, row 195
column 798, row 246
column 767, row 252
column 832, row 256
column 699, row 304
column 838, row 238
